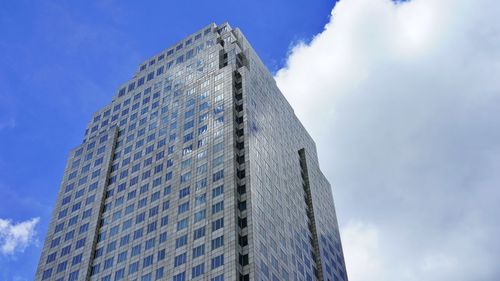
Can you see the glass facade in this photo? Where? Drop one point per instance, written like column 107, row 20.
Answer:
column 197, row 170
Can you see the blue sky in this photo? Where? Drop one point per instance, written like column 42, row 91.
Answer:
column 62, row 60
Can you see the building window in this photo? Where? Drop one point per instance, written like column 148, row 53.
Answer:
column 146, row 277
column 76, row 259
column 120, row 274
column 219, row 278
column 163, row 237
column 182, row 224
column 217, row 207
column 61, row 266
column 217, row 242
column 218, row 224
column 218, row 175
column 200, row 199
column 180, row 277
column 133, row 267
column 51, row 257
column 95, row 269
column 217, row 261
column 46, row 274
column 184, row 207
column 122, row 257
column 65, row 250
column 150, row 76
column 161, row 255
column 159, row 273
column 199, row 233
column 73, row 276
column 150, row 243
column 147, row 261
column 136, row 250
column 200, row 215
column 180, row 260
column 184, row 192
column 198, row 270
column 198, row 251
column 108, row 263
column 181, row 241
column 217, row 191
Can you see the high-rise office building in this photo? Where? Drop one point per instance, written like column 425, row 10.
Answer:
column 197, row 170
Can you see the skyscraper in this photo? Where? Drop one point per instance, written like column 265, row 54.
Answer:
column 197, row 170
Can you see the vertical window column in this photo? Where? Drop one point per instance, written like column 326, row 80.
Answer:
column 310, row 215
column 241, row 194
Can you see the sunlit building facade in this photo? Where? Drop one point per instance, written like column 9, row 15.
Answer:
column 198, row 169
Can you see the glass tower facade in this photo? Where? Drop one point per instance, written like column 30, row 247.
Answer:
column 197, row 170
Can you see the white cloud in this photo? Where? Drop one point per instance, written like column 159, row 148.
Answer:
column 15, row 237
column 403, row 101
column 362, row 242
